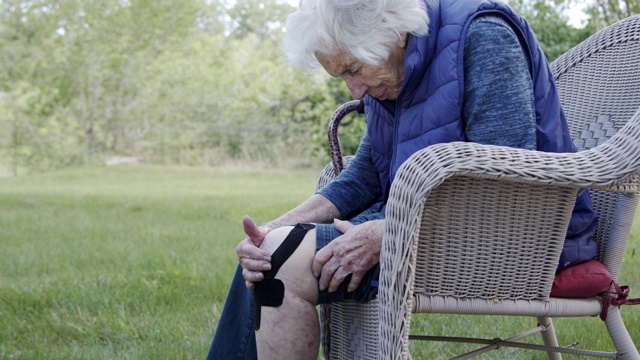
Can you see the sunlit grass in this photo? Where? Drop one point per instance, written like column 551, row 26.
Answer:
column 134, row 263
column 129, row 262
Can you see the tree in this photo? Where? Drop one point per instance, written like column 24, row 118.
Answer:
column 602, row 13
column 264, row 18
column 31, row 83
column 188, row 81
column 73, row 70
column 606, row 12
column 551, row 27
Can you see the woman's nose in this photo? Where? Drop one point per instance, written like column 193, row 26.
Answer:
column 357, row 88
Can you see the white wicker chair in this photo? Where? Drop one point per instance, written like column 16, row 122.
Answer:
column 476, row 229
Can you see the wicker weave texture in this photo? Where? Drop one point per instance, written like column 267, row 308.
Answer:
column 600, row 76
column 351, row 321
column 479, row 236
column 599, row 89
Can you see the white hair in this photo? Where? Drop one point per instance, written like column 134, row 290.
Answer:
column 366, row 29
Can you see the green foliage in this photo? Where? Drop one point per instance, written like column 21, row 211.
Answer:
column 188, row 82
column 600, row 13
column 264, row 18
column 551, row 27
column 182, row 81
column 606, row 12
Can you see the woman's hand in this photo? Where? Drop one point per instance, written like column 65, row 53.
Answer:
column 355, row 252
column 253, row 259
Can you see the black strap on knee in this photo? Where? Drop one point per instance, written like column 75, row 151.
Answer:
column 270, row 291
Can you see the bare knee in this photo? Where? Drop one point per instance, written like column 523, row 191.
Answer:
column 274, row 238
column 296, row 272
column 291, row 331
column 296, row 316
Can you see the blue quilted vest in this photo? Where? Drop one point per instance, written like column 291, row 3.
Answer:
column 428, row 109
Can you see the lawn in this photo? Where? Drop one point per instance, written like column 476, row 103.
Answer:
column 133, row 262
column 125, row 262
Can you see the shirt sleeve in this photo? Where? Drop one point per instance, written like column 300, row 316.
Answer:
column 358, row 186
column 498, row 104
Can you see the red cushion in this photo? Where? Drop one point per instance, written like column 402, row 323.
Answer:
column 583, row 280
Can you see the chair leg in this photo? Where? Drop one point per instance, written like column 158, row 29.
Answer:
column 325, row 330
column 620, row 336
column 549, row 337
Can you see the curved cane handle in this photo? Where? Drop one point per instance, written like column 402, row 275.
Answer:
column 334, row 123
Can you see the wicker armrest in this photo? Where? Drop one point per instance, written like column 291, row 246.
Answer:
column 427, row 253
column 612, row 166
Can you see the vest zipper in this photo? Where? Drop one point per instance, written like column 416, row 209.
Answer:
column 396, row 121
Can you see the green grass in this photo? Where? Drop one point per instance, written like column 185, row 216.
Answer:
column 134, row 262
column 126, row 262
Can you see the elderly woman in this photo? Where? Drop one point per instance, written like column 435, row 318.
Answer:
column 429, row 72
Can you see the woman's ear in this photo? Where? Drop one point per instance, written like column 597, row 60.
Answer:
column 403, row 40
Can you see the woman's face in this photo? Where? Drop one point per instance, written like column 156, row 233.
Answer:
column 382, row 81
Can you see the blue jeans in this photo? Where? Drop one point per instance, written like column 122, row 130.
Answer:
column 234, row 337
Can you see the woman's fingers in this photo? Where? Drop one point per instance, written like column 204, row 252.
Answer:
column 252, row 276
column 334, row 274
column 250, row 285
column 342, row 226
column 255, row 265
column 356, row 279
column 322, row 256
column 247, row 250
column 327, row 275
column 253, row 260
column 353, row 253
column 254, row 233
column 338, row 277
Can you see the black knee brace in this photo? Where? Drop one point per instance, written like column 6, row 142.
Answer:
column 270, row 291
